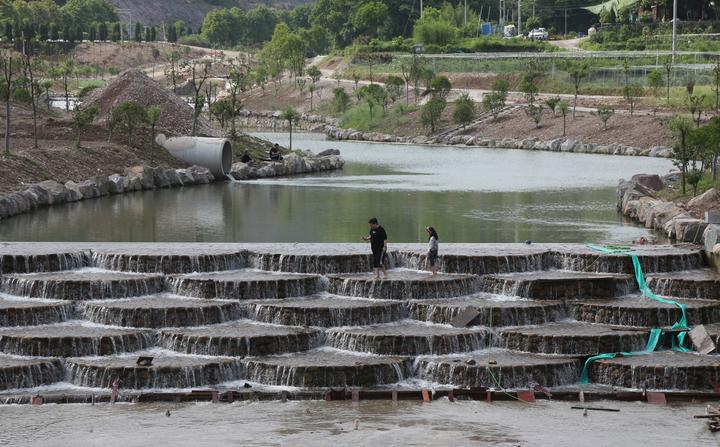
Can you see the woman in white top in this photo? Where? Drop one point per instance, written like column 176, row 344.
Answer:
column 432, row 253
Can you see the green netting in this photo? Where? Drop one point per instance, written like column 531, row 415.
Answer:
column 610, row 4
column 678, row 341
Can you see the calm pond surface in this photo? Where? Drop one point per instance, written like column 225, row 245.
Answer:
column 469, row 195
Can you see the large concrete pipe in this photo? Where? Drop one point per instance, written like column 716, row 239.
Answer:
column 213, row 153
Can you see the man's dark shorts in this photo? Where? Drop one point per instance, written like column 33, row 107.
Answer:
column 377, row 259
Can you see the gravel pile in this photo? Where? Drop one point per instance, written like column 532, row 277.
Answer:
column 134, row 85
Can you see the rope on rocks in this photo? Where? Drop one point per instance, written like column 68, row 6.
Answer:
column 655, row 333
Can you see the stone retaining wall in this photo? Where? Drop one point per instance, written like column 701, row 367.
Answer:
column 637, row 200
column 273, row 121
column 136, row 178
column 292, row 164
column 556, row 145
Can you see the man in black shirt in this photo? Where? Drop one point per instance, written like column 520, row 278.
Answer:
column 378, row 245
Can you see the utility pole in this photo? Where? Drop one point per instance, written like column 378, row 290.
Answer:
column 674, row 32
column 501, row 13
column 519, row 33
column 465, row 23
column 421, row 9
column 566, row 21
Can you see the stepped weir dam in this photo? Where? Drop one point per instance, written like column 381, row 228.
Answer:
column 293, row 320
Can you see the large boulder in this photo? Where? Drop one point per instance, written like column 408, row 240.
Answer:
column 102, row 183
column 55, row 191
column 160, row 180
column 327, row 152
column 89, row 189
column 37, row 195
column 139, row 177
column 185, row 177
column 240, row 171
column 294, row 164
column 173, row 178
column 200, row 174
column 707, row 200
column 8, row 207
column 690, row 230
column 72, row 192
column 117, row 184
column 650, row 181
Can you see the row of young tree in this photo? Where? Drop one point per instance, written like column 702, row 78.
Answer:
column 696, row 149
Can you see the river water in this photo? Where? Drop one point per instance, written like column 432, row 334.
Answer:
column 313, row 423
column 468, row 195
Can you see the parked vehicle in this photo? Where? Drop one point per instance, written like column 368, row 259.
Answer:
column 538, row 34
column 509, row 31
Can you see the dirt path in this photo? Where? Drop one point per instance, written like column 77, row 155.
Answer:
column 568, row 44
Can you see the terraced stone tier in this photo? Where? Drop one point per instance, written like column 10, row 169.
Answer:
column 14, row 312
column 483, row 260
column 326, row 310
column 240, row 338
column 72, row 340
column 403, row 285
column 167, row 371
column 645, row 312
column 572, row 339
column 160, row 311
column 653, row 259
column 314, row 263
column 507, row 370
column 30, row 258
column 169, row 258
column 688, row 284
column 407, row 338
column 17, row 372
column 244, row 285
column 560, row 285
column 81, row 285
column 662, row 370
column 493, row 311
column 327, row 369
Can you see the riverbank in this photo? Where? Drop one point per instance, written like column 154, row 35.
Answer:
column 472, row 135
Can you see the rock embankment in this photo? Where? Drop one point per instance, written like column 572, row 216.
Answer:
column 136, row 178
column 637, row 199
column 292, row 164
column 534, row 144
column 273, row 121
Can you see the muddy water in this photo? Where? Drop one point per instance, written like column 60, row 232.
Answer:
column 469, row 195
column 334, row 424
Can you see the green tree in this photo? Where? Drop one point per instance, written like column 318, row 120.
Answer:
column 393, row 86
column 655, row 81
column 683, row 153
column 563, row 107
column 431, row 112
column 716, row 83
column 63, row 72
column 464, row 112
column 199, row 74
column 46, row 85
column 370, row 17
column 259, row 75
column 314, row 73
column 604, row 113
column 534, row 112
column 152, row 117
column 9, row 68
column 137, row 35
column 373, row 95
column 494, row 101
column 696, row 106
column 631, row 93
column 440, row 85
column 434, row 28
column 529, row 82
column 341, row 100
column 577, row 71
column 102, row 31
column 552, row 103
column 290, row 115
column 127, row 116
column 221, row 110
column 81, row 118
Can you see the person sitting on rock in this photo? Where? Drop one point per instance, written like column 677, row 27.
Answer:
column 275, row 153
